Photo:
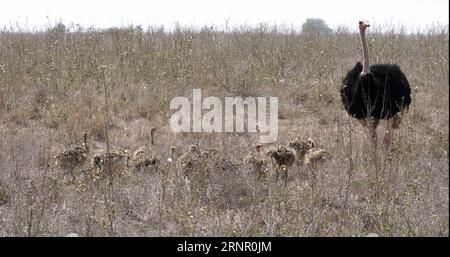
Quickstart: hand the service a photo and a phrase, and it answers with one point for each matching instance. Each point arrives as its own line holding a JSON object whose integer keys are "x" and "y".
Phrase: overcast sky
{"x": 413, "y": 15}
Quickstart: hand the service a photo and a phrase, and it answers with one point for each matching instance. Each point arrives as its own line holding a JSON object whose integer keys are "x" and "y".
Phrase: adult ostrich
{"x": 371, "y": 93}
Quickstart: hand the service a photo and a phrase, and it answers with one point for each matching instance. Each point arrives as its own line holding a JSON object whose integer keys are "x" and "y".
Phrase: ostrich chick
{"x": 315, "y": 156}
{"x": 209, "y": 154}
{"x": 195, "y": 170}
{"x": 73, "y": 157}
{"x": 284, "y": 158}
{"x": 301, "y": 146}
{"x": 312, "y": 158}
{"x": 111, "y": 163}
{"x": 190, "y": 161}
{"x": 258, "y": 161}
{"x": 142, "y": 161}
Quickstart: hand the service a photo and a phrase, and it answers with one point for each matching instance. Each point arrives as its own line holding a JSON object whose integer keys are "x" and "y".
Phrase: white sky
{"x": 413, "y": 15}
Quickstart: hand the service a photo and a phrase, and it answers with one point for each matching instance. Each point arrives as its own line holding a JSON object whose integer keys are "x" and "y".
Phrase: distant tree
{"x": 315, "y": 25}
{"x": 60, "y": 28}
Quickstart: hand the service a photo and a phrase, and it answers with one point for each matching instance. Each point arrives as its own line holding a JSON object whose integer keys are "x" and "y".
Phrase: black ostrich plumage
{"x": 381, "y": 93}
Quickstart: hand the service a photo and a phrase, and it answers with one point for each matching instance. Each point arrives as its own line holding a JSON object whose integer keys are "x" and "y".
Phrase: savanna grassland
{"x": 116, "y": 84}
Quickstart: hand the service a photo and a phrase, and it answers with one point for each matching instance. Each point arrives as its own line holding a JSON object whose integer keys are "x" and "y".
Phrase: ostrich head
{"x": 324, "y": 154}
{"x": 85, "y": 138}
{"x": 363, "y": 25}
{"x": 209, "y": 153}
{"x": 213, "y": 152}
{"x": 194, "y": 149}
{"x": 270, "y": 152}
{"x": 172, "y": 151}
{"x": 152, "y": 135}
{"x": 97, "y": 161}
{"x": 310, "y": 143}
{"x": 258, "y": 147}
{"x": 138, "y": 153}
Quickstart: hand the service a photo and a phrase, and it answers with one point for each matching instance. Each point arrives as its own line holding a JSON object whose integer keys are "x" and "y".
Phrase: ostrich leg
{"x": 374, "y": 140}
{"x": 72, "y": 174}
{"x": 387, "y": 147}
{"x": 388, "y": 138}
{"x": 314, "y": 179}
{"x": 285, "y": 179}
{"x": 372, "y": 126}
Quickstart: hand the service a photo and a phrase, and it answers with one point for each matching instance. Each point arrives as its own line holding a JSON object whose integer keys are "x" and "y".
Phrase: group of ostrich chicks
{"x": 117, "y": 162}
{"x": 104, "y": 162}
{"x": 300, "y": 151}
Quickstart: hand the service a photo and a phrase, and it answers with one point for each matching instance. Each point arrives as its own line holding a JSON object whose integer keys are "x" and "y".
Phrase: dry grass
{"x": 52, "y": 89}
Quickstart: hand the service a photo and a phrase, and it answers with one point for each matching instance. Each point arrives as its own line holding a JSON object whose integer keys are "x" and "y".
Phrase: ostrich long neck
{"x": 362, "y": 33}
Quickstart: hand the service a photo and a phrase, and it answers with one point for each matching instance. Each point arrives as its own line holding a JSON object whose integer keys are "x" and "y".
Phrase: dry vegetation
{"x": 52, "y": 89}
